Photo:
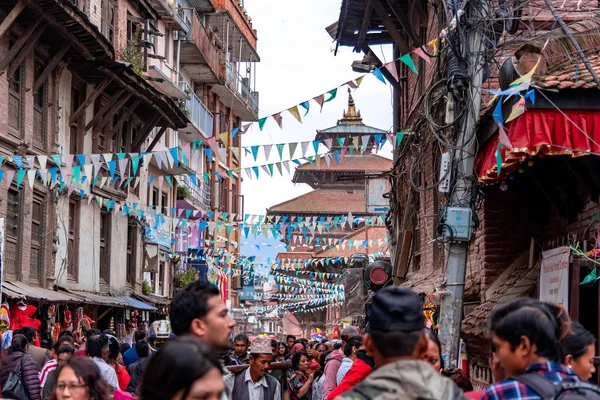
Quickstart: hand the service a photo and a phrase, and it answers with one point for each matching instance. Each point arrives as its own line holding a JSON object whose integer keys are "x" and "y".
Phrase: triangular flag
{"x": 328, "y": 143}
{"x": 378, "y": 75}
{"x": 254, "y": 151}
{"x": 406, "y": 59}
{"x": 270, "y": 166}
{"x": 43, "y": 160}
{"x": 359, "y": 80}
{"x": 280, "y": 147}
{"x": 294, "y": 111}
{"x": 498, "y": 161}
{"x": 10, "y": 174}
{"x": 286, "y": 164}
{"x": 332, "y": 93}
{"x": 292, "y": 148}
{"x": 245, "y": 127}
{"x": 20, "y": 175}
{"x": 517, "y": 110}
{"x": 277, "y": 117}
{"x": 304, "y": 146}
{"x": 306, "y": 106}
{"x": 320, "y": 99}
{"x": 43, "y": 176}
{"x": 224, "y": 136}
{"x": 31, "y": 177}
{"x": 391, "y": 67}
{"x": 327, "y": 161}
{"x": 255, "y": 169}
{"x": 336, "y": 154}
{"x": 341, "y": 141}
{"x": 19, "y": 161}
{"x": 267, "y": 148}
{"x": 365, "y": 142}
{"x": 30, "y": 162}
{"x": 433, "y": 43}
{"x": 135, "y": 163}
{"x": 316, "y": 144}
{"x": 503, "y": 137}
{"x": 261, "y": 123}
{"x": 421, "y": 53}
{"x": 399, "y": 137}
{"x": 278, "y": 165}
{"x": 81, "y": 159}
{"x": 355, "y": 142}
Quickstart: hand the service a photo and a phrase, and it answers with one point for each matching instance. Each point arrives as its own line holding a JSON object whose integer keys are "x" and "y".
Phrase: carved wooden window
{"x": 13, "y": 230}
{"x": 108, "y": 20}
{"x": 40, "y": 112}
{"x": 105, "y": 228}
{"x": 73, "y": 240}
{"x": 15, "y": 101}
{"x": 38, "y": 228}
{"x": 161, "y": 279}
{"x": 76, "y": 128}
{"x": 164, "y": 203}
{"x": 132, "y": 231}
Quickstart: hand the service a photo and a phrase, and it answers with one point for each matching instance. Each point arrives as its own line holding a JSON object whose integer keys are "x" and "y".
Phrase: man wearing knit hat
{"x": 396, "y": 339}
{"x": 334, "y": 361}
{"x": 255, "y": 383}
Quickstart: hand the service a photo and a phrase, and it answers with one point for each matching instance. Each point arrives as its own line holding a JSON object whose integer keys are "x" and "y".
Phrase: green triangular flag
{"x": 230, "y": 172}
{"x": 406, "y": 59}
{"x": 20, "y": 175}
{"x": 590, "y": 278}
{"x": 332, "y": 93}
{"x": 261, "y": 122}
{"x": 341, "y": 141}
{"x": 399, "y": 136}
{"x": 280, "y": 147}
{"x": 270, "y": 166}
{"x": 207, "y": 177}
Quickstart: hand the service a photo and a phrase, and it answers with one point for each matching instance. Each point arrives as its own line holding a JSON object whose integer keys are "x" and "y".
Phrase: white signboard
{"x": 376, "y": 188}
{"x": 554, "y": 276}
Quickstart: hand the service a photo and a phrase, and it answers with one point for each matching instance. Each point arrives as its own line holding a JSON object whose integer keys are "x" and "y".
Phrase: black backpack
{"x": 567, "y": 389}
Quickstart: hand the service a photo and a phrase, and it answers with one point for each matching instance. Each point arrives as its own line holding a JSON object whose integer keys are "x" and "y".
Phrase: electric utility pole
{"x": 464, "y": 178}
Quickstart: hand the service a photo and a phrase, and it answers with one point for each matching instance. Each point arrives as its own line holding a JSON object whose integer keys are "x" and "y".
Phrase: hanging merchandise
{"x": 21, "y": 314}
{"x": 68, "y": 321}
{"x": 4, "y": 318}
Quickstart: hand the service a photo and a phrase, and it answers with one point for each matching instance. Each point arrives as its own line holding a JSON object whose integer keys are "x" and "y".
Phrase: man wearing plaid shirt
{"x": 526, "y": 337}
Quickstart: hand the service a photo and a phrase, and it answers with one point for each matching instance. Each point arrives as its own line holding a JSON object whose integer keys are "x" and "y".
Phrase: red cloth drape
{"x": 540, "y": 132}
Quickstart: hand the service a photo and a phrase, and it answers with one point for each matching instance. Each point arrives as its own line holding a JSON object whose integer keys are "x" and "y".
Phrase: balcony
{"x": 201, "y": 119}
{"x": 199, "y": 194}
{"x": 170, "y": 13}
{"x": 200, "y": 51}
{"x": 238, "y": 92}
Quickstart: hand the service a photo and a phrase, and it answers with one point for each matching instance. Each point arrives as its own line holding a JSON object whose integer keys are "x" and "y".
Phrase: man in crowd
{"x": 41, "y": 356}
{"x": 290, "y": 340}
{"x": 51, "y": 365}
{"x": 62, "y": 355}
{"x": 131, "y": 355}
{"x": 334, "y": 361}
{"x": 255, "y": 383}
{"x": 350, "y": 348}
{"x": 239, "y": 356}
{"x": 98, "y": 349}
{"x": 136, "y": 370}
{"x": 397, "y": 340}
{"x": 199, "y": 310}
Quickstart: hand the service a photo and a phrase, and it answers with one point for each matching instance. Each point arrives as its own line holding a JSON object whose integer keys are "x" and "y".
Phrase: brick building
{"x": 85, "y": 83}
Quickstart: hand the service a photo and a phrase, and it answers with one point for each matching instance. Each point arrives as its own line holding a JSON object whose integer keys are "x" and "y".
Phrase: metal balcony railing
{"x": 197, "y": 111}
{"x": 200, "y": 193}
{"x": 241, "y": 86}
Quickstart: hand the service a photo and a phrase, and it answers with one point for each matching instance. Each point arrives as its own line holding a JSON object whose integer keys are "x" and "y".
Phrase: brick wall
{"x": 240, "y": 20}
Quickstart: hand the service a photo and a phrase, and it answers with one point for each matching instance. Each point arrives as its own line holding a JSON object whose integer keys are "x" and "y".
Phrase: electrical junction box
{"x": 445, "y": 172}
{"x": 458, "y": 223}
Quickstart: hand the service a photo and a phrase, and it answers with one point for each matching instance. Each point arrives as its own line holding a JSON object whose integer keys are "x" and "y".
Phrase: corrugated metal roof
{"x": 19, "y": 290}
{"x": 100, "y": 299}
{"x": 137, "y": 304}
{"x": 355, "y": 129}
{"x": 163, "y": 301}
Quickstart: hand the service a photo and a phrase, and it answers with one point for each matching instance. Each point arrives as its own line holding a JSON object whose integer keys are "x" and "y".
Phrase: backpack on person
{"x": 13, "y": 387}
{"x": 567, "y": 389}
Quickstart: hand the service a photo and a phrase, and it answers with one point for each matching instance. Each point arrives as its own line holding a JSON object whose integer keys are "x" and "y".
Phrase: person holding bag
{"x": 19, "y": 378}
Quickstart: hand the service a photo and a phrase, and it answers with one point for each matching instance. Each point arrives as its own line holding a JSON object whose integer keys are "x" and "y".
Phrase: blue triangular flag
{"x": 81, "y": 159}
{"x": 378, "y": 75}
{"x": 175, "y": 154}
{"x": 112, "y": 165}
{"x": 254, "y": 151}
{"x": 497, "y": 114}
{"x": 306, "y": 105}
{"x": 19, "y": 161}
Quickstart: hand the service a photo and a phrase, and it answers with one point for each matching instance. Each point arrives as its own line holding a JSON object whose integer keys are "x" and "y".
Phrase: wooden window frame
{"x": 73, "y": 225}
{"x": 108, "y": 7}
{"x": 132, "y": 240}
{"x": 18, "y": 132}
{"x": 17, "y": 239}
{"x": 42, "y": 143}
{"x": 164, "y": 198}
{"x": 37, "y": 267}
{"x": 105, "y": 244}
{"x": 76, "y": 128}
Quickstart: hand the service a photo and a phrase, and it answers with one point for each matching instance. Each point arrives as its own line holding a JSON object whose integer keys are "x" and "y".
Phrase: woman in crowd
{"x": 300, "y": 383}
{"x": 317, "y": 350}
{"x": 296, "y": 348}
{"x": 527, "y": 335}
{"x": 116, "y": 361}
{"x": 319, "y": 385}
{"x": 17, "y": 360}
{"x": 282, "y": 352}
{"x": 79, "y": 379}
{"x": 579, "y": 348}
{"x": 433, "y": 355}
{"x": 182, "y": 369}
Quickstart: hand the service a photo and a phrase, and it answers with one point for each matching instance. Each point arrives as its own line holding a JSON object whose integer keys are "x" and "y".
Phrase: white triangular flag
{"x": 87, "y": 171}
{"x": 31, "y": 177}
{"x": 286, "y": 164}
{"x": 123, "y": 166}
{"x": 107, "y": 157}
{"x": 328, "y": 159}
{"x": 304, "y": 148}
{"x": 43, "y": 160}
{"x": 44, "y": 176}
{"x": 267, "y": 148}
{"x": 30, "y": 161}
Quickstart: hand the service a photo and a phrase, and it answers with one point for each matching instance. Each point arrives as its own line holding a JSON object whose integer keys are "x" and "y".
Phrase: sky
{"x": 297, "y": 64}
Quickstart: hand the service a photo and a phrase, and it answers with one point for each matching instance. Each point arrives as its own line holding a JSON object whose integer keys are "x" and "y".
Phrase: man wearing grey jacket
{"x": 397, "y": 340}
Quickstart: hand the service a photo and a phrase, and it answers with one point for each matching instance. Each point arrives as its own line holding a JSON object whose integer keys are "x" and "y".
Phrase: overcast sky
{"x": 298, "y": 63}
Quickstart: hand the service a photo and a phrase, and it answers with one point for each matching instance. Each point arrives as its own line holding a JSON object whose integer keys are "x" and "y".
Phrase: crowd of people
{"x": 536, "y": 352}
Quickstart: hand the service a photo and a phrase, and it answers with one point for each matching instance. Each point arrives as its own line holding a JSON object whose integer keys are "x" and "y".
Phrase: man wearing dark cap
{"x": 397, "y": 340}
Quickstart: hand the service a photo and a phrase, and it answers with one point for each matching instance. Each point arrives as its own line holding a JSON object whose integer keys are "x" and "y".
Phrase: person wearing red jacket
{"x": 361, "y": 368}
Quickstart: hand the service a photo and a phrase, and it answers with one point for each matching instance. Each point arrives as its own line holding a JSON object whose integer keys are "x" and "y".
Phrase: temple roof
{"x": 356, "y": 162}
{"x": 323, "y": 201}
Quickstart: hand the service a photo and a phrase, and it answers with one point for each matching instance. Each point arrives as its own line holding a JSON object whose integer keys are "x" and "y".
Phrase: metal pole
{"x": 178, "y": 55}
{"x": 451, "y": 312}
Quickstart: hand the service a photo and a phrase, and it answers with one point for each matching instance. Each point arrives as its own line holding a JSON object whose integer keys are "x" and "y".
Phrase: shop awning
{"x": 19, "y": 290}
{"x": 541, "y": 132}
{"x": 133, "y": 303}
{"x": 157, "y": 300}
{"x": 99, "y": 299}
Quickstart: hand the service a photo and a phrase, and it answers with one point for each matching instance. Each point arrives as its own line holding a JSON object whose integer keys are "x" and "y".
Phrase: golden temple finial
{"x": 351, "y": 116}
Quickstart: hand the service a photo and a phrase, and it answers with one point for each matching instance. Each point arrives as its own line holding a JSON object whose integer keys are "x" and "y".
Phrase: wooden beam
{"x": 405, "y": 22}
{"x": 157, "y": 138}
{"x": 123, "y": 118}
{"x": 145, "y": 132}
{"x": 97, "y": 91}
{"x": 51, "y": 65}
{"x": 104, "y": 109}
{"x": 362, "y": 34}
{"x": 404, "y": 258}
{"x": 137, "y": 93}
{"x": 110, "y": 114}
{"x": 12, "y": 16}
{"x": 33, "y": 41}
{"x": 104, "y": 314}
{"x": 390, "y": 27}
{"x": 387, "y": 74}
{"x": 14, "y": 51}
